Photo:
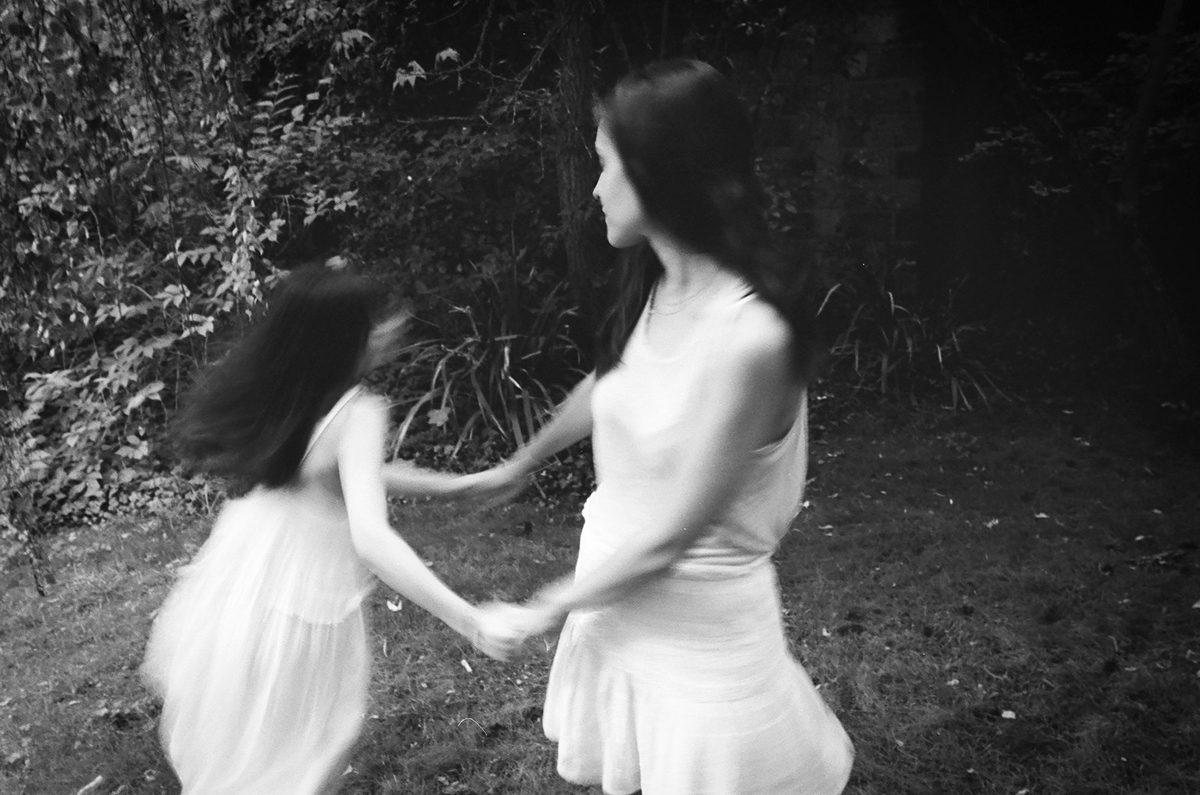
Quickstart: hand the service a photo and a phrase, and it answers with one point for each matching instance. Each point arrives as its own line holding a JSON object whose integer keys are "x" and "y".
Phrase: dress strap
{"x": 328, "y": 418}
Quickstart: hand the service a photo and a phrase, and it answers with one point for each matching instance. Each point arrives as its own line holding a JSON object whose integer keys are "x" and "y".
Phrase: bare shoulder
{"x": 368, "y": 404}
{"x": 752, "y": 335}
{"x": 748, "y": 371}
{"x": 356, "y": 427}
{"x": 365, "y": 413}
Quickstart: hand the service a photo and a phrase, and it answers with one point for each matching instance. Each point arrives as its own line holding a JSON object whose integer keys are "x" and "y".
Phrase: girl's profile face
{"x": 624, "y": 218}
{"x": 384, "y": 340}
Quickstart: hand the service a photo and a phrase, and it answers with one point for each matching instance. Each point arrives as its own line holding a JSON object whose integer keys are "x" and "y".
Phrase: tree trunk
{"x": 573, "y": 152}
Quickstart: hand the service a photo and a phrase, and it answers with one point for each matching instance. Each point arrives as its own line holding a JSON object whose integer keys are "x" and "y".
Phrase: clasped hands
{"x": 503, "y": 628}
{"x": 495, "y": 486}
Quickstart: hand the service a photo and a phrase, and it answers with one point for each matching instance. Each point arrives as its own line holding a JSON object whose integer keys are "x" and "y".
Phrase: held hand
{"x": 538, "y": 618}
{"x": 493, "y": 486}
{"x": 503, "y": 629}
{"x": 497, "y": 631}
{"x": 548, "y": 607}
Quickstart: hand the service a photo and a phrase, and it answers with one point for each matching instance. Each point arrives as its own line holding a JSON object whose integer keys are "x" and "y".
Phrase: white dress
{"x": 687, "y": 687}
{"x": 259, "y": 652}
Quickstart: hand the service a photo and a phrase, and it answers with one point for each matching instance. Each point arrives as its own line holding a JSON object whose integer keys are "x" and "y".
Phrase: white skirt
{"x": 687, "y": 688}
{"x": 261, "y": 695}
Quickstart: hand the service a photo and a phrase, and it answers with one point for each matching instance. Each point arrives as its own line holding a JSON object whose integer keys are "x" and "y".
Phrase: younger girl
{"x": 260, "y": 651}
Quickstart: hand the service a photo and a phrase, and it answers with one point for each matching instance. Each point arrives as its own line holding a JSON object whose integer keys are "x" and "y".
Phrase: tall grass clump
{"x": 501, "y": 357}
{"x": 889, "y": 343}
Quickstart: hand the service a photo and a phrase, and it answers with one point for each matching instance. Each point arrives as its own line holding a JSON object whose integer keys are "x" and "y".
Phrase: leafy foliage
{"x": 497, "y": 375}
{"x": 16, "y": 509}
{"x": 141, "y": 215}
{"x": 162, "y": 162}
{"x": 1096, "y": 107}
{"x": 497, "y": 333}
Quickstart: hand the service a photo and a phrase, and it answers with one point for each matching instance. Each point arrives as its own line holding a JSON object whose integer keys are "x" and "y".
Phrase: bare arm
{"x": 406, "y": 479}
{"x": 572, "y": 422}
{"x": 360, "y": 458}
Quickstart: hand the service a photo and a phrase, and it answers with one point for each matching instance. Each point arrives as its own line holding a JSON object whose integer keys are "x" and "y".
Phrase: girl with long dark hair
{"x": 259, "y": 652}
{"x": 672, "y": 674}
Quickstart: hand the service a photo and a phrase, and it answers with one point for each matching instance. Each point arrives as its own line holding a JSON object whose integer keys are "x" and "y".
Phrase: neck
{"x": 684, "y": 272}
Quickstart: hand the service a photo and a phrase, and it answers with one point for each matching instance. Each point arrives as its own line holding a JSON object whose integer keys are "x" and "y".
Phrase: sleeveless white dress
{"x": 259, "y": 652}
{"x": 687, "y": 687}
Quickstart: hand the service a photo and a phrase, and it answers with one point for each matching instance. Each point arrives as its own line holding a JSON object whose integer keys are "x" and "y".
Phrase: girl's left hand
{"x": 498, "y": 632}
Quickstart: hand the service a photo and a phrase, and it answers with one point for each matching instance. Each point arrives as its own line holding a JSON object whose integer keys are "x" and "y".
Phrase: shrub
{"x": 142, "y": 200}
{"x": 502, "y": 361}
{"x": 887, "y": 348}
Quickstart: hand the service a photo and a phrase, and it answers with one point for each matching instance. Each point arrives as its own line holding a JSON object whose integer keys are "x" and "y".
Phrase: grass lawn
{"x": 999, "y": 601}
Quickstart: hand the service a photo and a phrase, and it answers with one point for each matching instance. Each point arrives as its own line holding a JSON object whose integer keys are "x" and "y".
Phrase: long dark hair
{"x": 686, "y": 142}
{"x": 250, "y": 416}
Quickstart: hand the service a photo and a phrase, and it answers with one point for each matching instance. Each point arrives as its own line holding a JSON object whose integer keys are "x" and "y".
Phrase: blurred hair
{"x": 251, "y": 414}
{"x": 686, "y": 143}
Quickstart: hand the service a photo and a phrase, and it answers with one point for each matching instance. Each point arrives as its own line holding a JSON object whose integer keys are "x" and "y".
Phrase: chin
{"x": 622, "y": 239}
